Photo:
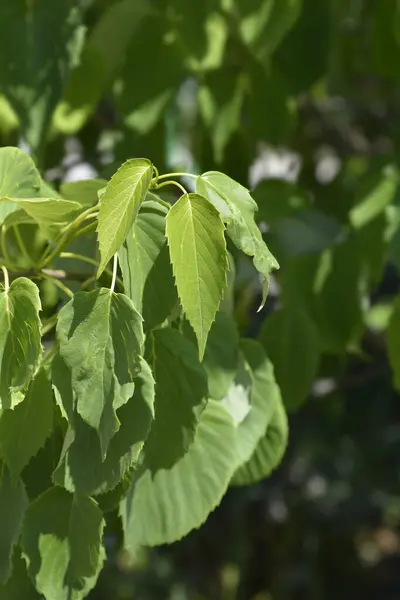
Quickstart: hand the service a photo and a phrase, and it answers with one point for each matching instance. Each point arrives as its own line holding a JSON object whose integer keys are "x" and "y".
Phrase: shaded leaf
{"x": 145, "y": 265}
{"x": 20, "y": 346}
{"x": 221, "y": 354}
{"x": 199, "y": 259}
{"x": 269, "y": 451}
{"x": 393, "y": 342}
{"x": 120, "y": 205}
{"x": 82, "y": 468}
{"x": 13, "y": 502}
{"x": 19, "y": 440}
{"x": 39, "y": 42}
{"x": 62, "y": 543}
{"x": 181, "y": 391}
{"x": 291, "y": 341}
{"x": 100, "y": 338}
{"x": 163, "y": 507}
{"x": 86, "y": 192}
{"x": 19, "y": 585}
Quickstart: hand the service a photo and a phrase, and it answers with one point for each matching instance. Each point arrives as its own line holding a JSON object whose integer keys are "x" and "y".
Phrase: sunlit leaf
{"x": 120, "y": 205}
{"x": 199, "y": 259}
{"x": 19, "y": 178}
{"x": 20, "y": 346}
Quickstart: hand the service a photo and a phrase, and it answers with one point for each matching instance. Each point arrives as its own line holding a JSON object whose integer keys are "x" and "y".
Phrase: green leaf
{"x": 393, "y": 342}
{"x": 307, "y": 232}
{"x": 13, "y": 503}
{"x": 221, "y": 354}
{"x": 20, "y": 347}
{"x": 278, "y": 199}
{"x": 199, "y": 259}
{"x": 269, "y": 451}
{"x": 237, "y": 208}
{"x": 81, "y": 467}
{"x": 100, "y": 338}
{"x": 86, "y": 192}
{"x": 19, "y": 441}
{"x": 264, "y": 25}
{"x": 181, "y": 391}
{"x": 221, "y": 98}
{"x": 33, "y": 73}
{"x": 164, "y": 506}
{"x": 19, "y": 178}
{"x": 120, "y": 205}
{"x": 376, "y": 195}
{"x": 146, "y": 267}
{"x": 291, "y": 341}
{"x": 99, "y": 63}
{"x": 19, "y": 586}
{"x": 47, "y": 211}
{"x": 144, "y": 98}
{"x": 264, "y": 396}
{"x": 62, "y": 543}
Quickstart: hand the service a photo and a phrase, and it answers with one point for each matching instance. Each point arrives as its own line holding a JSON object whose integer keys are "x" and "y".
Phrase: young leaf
{"x": 19, "y": 178}
{"x": 164, "y": 506}
{"x": 146, "y": 267}
{"x": 62, "y": 543}
{"x": 291, "y": 341}
{"x": 269, "y": 450}
{"x": 199, "y": 259}
{"x": 221, "y": 354}
{"x": 181, "y": 391}
{"x": 237, "y": 209}
{"x": 20, "y": 347}
{"x": 19, "y": 440}
{"x": 120, "y": 205}
{"x": 81, "y": 468}
{"x": 100, "y": 339}
{"x": 13, "y": 502}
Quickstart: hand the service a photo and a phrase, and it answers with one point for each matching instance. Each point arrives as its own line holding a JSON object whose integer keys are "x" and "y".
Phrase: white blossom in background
{"x": 274, "y": 163}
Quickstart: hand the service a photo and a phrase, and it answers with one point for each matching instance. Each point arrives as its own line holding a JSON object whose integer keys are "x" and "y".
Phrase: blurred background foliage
{"x": 299, "y": 101}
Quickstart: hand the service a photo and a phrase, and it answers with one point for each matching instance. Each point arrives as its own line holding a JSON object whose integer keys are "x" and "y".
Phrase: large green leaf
{"x": 146, "y": 267}
{"x": 199, "y": 259}
{"x": 81, "y": 468}
{"x": 237, "y": 209}
{"x": 221, "y": 354}
{"x": 19, "y": 441}
{"x": 62, "y": 543}
{"x": 100, "y": 338}
{"x": 181, "y": 390}
{"x": 20, "y": 347}
{"x": 39, "y": 42}
{"x": 163, "y": 507}
{"x": 120, "y": 205}
{"x": 263, "y": 398}
{"x": 269, "y": 451}
{"x": 13, "y": 502}
{"x": 19, "y": 178}
{"x": 291, "y": 341}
